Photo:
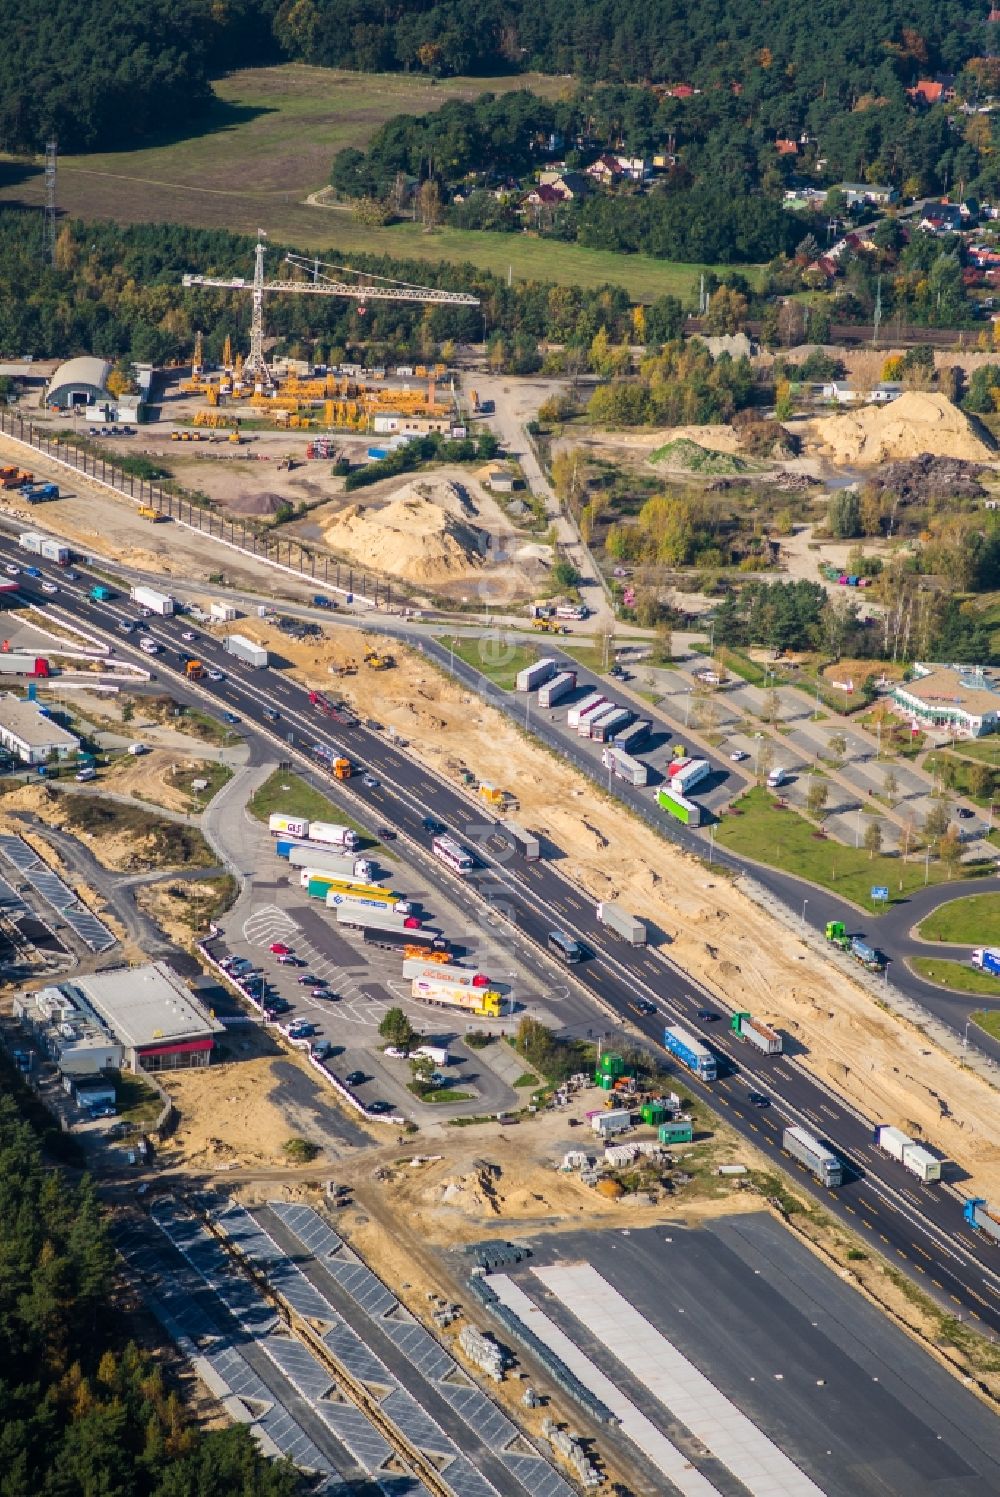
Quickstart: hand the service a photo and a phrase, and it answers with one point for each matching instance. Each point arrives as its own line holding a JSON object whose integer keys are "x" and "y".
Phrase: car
{"x": 320, "y": 1050}
{"x": 355, "y": 1078}
{"x": 49, "y": 587}
{"x": 738, "y": 756}
{"x": 12, "y": 570}
{"x": 32, "y": 572}
{"x": 278, "y": 948}
{"x": 758, "y": 1099}
{"x": 300, "y": 1029}
{"x": 230, "y": 717}
{"x": 216, "y": 675}
{"x": 323, "y": 992}
{"x": 72, "y": 576}
{"x": 369, "y": 781}
{"x": 272, "y": 714}
{"x": 145, "y": 613}
{"x": 126, "y": 626}
{"x": 708, "y": 1014}
{"x": 305, "y": 980}
{"x": 964, "y": 813}
{"x": 189, "y": 635}
{"x": 643, "y": 1006}
{"x": 385, "y": 834}
{"x": 379, "y": 1107}
{"x": 429, "y": 824}
{"x": 287, "y": 961}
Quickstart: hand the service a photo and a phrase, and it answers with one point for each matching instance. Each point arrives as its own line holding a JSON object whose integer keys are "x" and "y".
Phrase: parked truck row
{"x": 328, "y": 833}
{"x": 44, "y": 546}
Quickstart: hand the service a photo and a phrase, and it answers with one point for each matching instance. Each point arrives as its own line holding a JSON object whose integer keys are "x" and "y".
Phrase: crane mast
{"x": 371, "y": 288}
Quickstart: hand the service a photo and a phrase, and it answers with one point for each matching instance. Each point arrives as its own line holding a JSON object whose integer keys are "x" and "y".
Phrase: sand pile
{"x": 917, "y": 422}
{"x": 412, "y": 537}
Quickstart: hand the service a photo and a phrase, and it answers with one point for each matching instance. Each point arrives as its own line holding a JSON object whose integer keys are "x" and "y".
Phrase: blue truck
{"x": 690, "y": 1051}
{"x": 987, "y": 958}
{"x": 978, "y": 1215}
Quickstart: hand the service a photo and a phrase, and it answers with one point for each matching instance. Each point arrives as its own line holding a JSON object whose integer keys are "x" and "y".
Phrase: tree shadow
{"x": 218, "y": 116}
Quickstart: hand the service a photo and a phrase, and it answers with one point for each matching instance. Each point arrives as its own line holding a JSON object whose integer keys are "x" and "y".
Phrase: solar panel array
{"x": 92, "y": 932}
{"x": 441, "y": 1371}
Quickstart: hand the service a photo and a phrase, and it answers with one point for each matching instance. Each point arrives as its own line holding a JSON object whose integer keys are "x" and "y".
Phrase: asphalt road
{"x": 919, "y": 1226}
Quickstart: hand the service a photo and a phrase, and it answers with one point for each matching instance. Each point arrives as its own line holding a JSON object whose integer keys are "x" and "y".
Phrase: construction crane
{"x": 369, "y": 288}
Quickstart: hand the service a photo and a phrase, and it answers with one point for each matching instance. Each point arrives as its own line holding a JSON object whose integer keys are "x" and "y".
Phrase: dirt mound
{"x": 412, "y": 537}
{"x": 925, "y": 477}
{"x": 261, "y": 505}
{"x": 918, "y": 422}
{"x": 684, "y": 456}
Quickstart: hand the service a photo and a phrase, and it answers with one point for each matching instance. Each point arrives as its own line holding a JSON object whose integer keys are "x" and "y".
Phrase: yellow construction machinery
{"x": 379, "y": 662}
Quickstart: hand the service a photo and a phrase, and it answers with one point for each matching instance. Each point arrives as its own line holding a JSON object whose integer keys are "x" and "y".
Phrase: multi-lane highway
{"x": 919, "y": 1227}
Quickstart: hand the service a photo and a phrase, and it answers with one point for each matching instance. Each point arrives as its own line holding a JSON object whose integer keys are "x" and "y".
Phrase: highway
{"x": 918, "y": 1227}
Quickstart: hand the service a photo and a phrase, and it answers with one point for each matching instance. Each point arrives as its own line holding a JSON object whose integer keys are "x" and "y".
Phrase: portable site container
{"x": 679, "y": 1132}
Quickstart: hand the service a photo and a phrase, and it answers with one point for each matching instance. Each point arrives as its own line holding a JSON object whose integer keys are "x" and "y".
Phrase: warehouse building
{"x": 27, "y": 731}
{"x": 68, "y": 1031}
{"x": 158, "y": 1021}
{"x": 959, "y": 700}
{"x": 80, "y": 383}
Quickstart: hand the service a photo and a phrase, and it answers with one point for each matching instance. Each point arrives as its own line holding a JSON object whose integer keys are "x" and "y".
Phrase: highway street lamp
{"x": 965, "y": 1036}
{"x": 804, "y": 903}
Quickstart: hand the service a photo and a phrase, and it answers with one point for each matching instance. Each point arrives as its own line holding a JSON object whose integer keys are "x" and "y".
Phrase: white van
{"x": 149, "y": 646}
{"x": 86, "y": 774}
{"x": 137, "y": 748}
{"x": 776, "y": 778}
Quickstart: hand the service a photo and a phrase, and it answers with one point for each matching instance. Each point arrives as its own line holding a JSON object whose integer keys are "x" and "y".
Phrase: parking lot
{"x": 331, "y": 990}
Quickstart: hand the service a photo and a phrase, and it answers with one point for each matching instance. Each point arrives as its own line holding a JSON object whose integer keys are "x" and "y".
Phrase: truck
{"x": 482, "y": 1001}
{"x": 987, "y": 958}
{"x": 686, "y": 811}
{"x": 836, "y": 933}
{"x": 329, "y": 709}
{"x": 756, "y": 1033}
{"x": 685, "y": 773}
{"x": 776, "y": 779}
{"x": 978, "y": 1215}
{"x": 155, "y": 516}
{"x": 343, "y": 864}
{"x": 631, "y": 738}
{"x": 55, "y": 551}
{"x": 459, "y": 977}
{"x": 194, "y": 670}
{"x": 555, "y": 690}
{"x": 608, "y": 724}
{"x": 623, "y": 766}
{"x": 38, "y": 493}
{"x": 912, "y": 1156}
{"x": 309, "y": 875}
{"x": 617, "y": 919}
{"x": 817, "y": 1158}
{"x": 332, "y": 835}
{"x": 367, "y": 898}
{"x": 101, "y": 594}
{"x": 536, "y": 674}
{"x": 222, "y": 613}
{"x": 156, "y": 602}
{"x": 525, "y": 842}
{"x": 369, "y": 917}
{"x": 410, "y": 941}
{"x": 19, "y": 664}
{"x": 30, "y": 540}
{"x": 280, "y": 825}
{"x": 437, "y": 1053}
{"x": 576, "y": 714}
{"x": 690, "y": 1051}
{"x": 246, "y": 650}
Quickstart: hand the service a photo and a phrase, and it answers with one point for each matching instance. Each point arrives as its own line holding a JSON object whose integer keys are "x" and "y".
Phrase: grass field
{"x": 498, "y": 660}
{"x": 292, "y": 796}
{"x": 269, "y": 142}
{"x": 783, "y": 839}
{"x": 988, "y": 1021}
{"x": 958, "y": 976}
{"x": 972, "y": 921}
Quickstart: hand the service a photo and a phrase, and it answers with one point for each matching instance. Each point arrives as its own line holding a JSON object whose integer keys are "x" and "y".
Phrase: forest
{"x": 103, "y": 76}
{"x": 116, "y": 292}
{"x": 83, "y": 1411}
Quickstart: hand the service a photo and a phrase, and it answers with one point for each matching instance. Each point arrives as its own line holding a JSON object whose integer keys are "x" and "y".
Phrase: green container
{"x": 318, "y": 888}
{"x": 607, "y": 1082}
{"x": 610, "y": 1064}
{"x": 676, "y": 1133}
{"x": 654, "y": 1113}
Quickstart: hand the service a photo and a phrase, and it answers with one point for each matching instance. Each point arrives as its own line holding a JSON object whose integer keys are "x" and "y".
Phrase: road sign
{"x": 880, "y": 891}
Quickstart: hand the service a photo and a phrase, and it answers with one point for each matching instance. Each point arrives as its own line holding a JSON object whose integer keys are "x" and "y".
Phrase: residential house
{"x": 604, "y": 170}
{"x": 571, "y": 185}
{"x": 544, "y": 195}
{"x": 786, "y": 147}
{"x": 869, "y": 194}
{"x": 926, "y": 91}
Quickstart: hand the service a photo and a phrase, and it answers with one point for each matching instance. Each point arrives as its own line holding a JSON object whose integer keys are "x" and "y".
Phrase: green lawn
{"x": 985, "y": 750}
{"x": 972, "y": 921}
{"x": 495, "y": 656}
{"x": 990, "y": 1022}
{"x": 784, "y": 839}
{"x": 956, "y": 975}
{"x": 268, "y": 144}
{"x": 289, "y": 794}
{"x": 136, "y": 1102}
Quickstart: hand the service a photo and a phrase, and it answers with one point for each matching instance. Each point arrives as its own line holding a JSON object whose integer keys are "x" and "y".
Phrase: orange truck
{"x": 342, "y": 769}
{"x": 194, "y": 670}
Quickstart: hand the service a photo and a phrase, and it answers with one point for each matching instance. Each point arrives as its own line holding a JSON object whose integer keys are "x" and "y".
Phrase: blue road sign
{"x": 880, "y": 891}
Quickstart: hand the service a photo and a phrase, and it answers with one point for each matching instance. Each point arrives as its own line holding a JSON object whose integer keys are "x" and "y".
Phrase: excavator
{"x": 379, "y": 662}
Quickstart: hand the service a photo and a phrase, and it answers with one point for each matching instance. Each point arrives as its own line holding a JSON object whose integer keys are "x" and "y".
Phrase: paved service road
{"x": 921, "y": 1225}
